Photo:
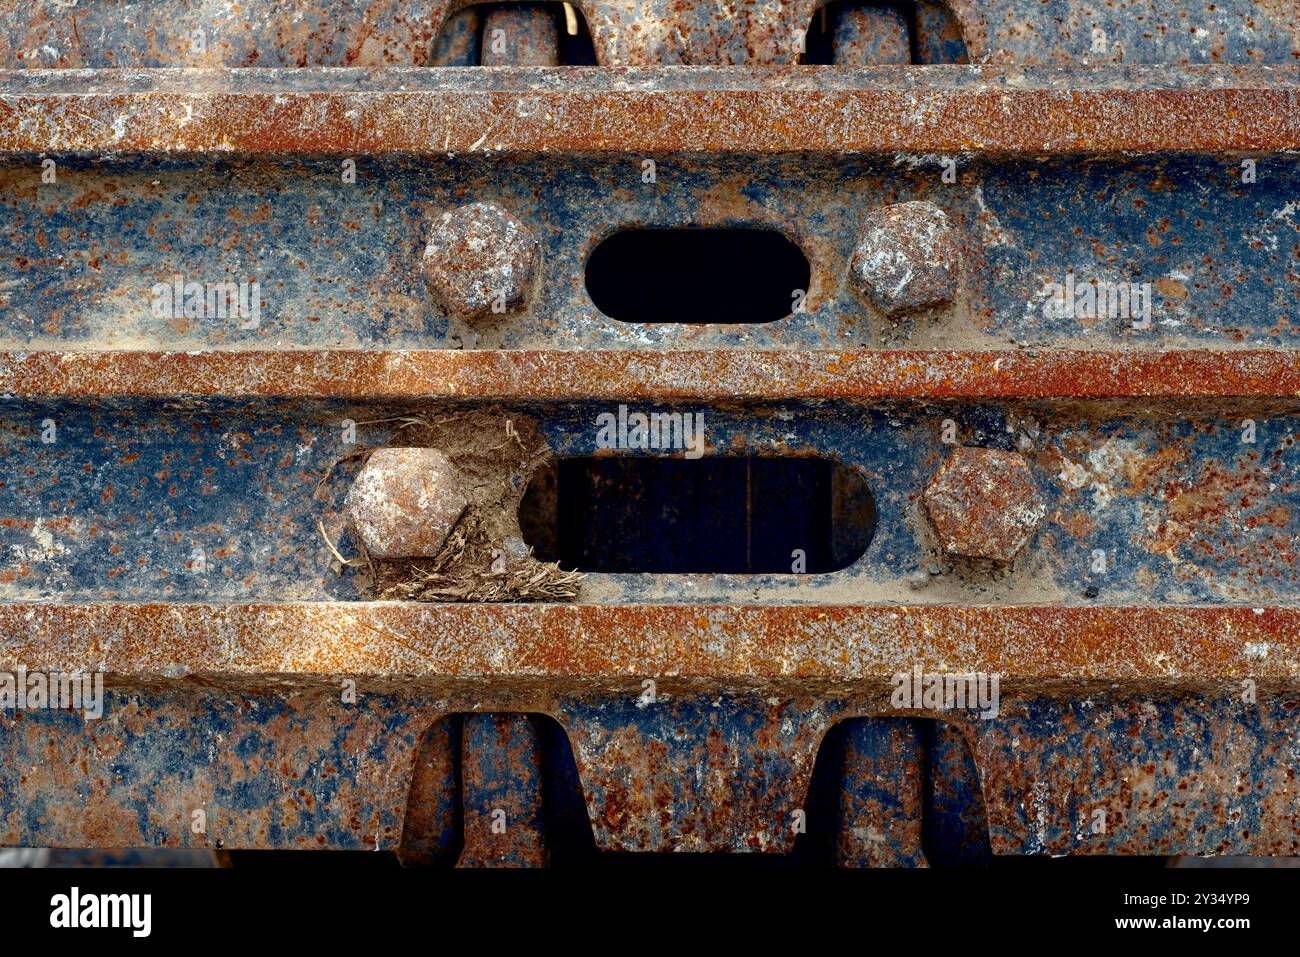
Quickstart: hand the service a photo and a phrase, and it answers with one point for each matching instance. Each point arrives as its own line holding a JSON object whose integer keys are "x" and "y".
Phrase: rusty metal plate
{"x": 1042, "y": 266}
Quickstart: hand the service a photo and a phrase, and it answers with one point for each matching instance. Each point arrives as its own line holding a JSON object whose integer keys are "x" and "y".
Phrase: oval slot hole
{"x": 696, "y": 275}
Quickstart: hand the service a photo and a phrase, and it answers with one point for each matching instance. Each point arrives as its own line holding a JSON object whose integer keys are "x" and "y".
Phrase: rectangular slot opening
{"x": 631, "y": 514}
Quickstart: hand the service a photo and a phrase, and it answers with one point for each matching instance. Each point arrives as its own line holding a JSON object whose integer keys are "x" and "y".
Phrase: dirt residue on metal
{"x": 484, "y": 558}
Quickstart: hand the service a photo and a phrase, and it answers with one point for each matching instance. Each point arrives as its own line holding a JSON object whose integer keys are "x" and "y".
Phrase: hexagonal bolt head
{"x": 480, "y": 260}
{"x": 404, "y": 502}
{"x": 907, "y": 259}
{"x": 984, "y": 503}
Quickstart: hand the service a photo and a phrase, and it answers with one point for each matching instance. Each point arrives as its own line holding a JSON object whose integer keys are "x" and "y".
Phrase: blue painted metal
{"x": 501, "y": 792}
{"x": 881, "y": 818}
{"x": 203, "y": 767}
{"x": 79, "y": 258}
{"x": 171, "y": 501}
{"x": 1184, "y": 510}
{"x": 360, "y": 33}
{"x": 1170, "y": 773}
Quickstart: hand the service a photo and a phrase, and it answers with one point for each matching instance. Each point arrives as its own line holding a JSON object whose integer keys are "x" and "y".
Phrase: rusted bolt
{"x": 984, "y": 503}
{"x": 404, "y": 502}
{"x": 480, "y": 260}
{"x": 907, "y": 259}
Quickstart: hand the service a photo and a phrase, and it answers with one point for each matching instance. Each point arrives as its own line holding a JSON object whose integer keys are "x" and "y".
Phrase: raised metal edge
{"x": 1178, "y": 646}
{"x": 1001, "y": 110}
{"x": 676, "y": 374}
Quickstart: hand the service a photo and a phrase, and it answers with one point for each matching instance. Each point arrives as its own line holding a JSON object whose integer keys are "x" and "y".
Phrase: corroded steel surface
{"x": 1148, "y": 642}
{"x": 1166, "y": 646}
{"x": 431, "y": 826}
{"x": 109, "y": 34}
{"x": 863, "y": 35}
{"x": 954, "y": 820}
{"x": 520, "y": 36}
{"x": 670, "y": 774}
{"x": 155, "y": 500}
{"x": 267, "y": 770}
{"x": 501, "y": 787}
{"x": 881, "y": 799}
{"x": 1205, "y": 260}
{"x": 913, "y": 110}
{"x": 358, "y": 33}
{"x": 1165, "y": 772}
{"x": 618, "y": 375}
{"x": 284, "y": 768}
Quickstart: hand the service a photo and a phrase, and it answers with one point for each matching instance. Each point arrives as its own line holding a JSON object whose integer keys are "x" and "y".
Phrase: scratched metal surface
{"x": 882, "y": 783}
{"x": 1171, "y": 774}
{"x": 403, "y": 111}
{"x": 1185, "y": 511}
{"x": 1123, "y": 699}
{"x": 501, "y": 792}
{"x": 339, "y": 265}
{"x": 319, "y": 775}
{"x": 114, "y": 33}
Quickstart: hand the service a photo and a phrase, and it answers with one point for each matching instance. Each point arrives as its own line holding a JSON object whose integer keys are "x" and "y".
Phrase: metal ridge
{"x": 1174, "y": 645}
{"x": 999, "y": 110}
{"x": 670, "y": 375}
